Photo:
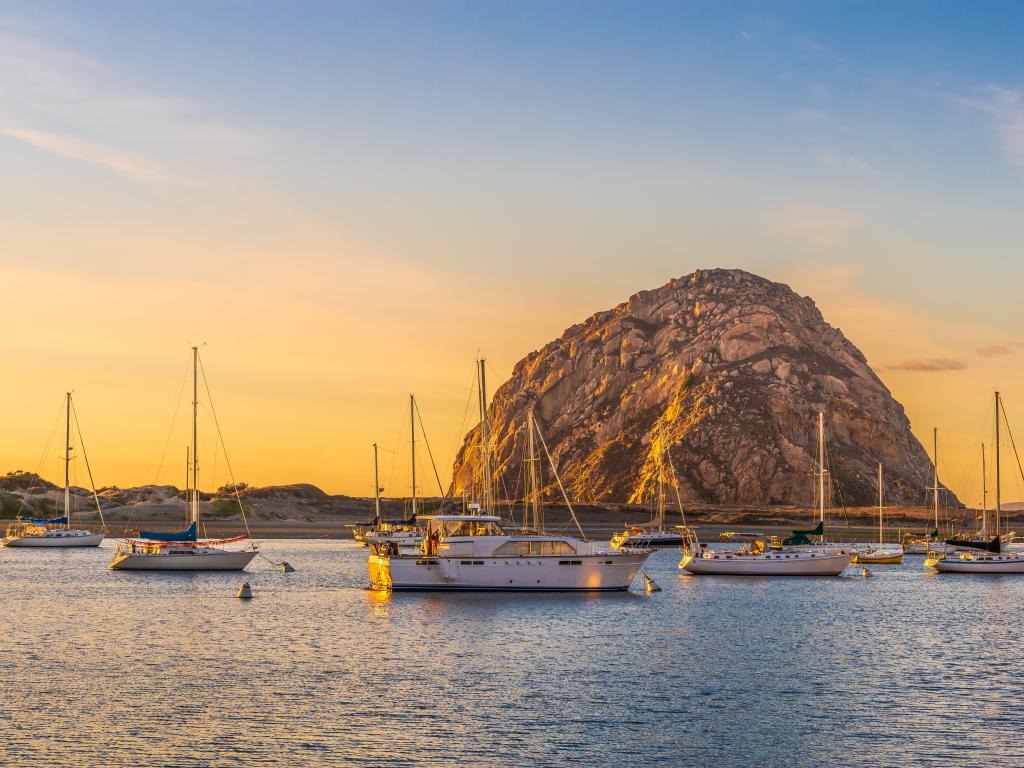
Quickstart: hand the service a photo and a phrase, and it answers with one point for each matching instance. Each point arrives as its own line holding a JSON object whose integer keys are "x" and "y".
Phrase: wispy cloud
{"x": 995, "y": 350}
{"x": 818, "y": 48}
{"x": 85, "y": 151}
{"x": 813, "y": 225}
{"x": 74, "y": 106}
{"x": 929, "y": 365}
{"x": 810, "y": 115}
{"x": 1005, "y": 108}
{"x": 846, "y": 163}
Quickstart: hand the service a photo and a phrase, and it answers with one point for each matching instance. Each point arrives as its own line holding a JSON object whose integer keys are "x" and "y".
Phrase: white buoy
{"x": 650, "y": 585}
{"x": 245, "y": 593}
{"x": 864, "y": 571}
{"x": 286, "y": 567}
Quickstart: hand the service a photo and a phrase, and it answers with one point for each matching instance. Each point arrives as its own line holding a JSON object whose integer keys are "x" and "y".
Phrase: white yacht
{"x": 979, "y": 556}
{"x": 57, "y": 531}
{"x": 749, "y": 554}
{"x": 473, "y": 552}
{"x": 184, "y": 550}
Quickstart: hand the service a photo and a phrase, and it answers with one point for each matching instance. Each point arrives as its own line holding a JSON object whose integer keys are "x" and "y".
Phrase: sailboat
{"x": 403, "y": 532}
{"x": 920, "y": 544}
{"x": 979, "y": 555}
{"x": 755, "y": 554}
{"x": 57, "y": 531}
{"x": 816, "y": 537}
{"x": 184, "y": 550}
{"x": 474, "y": 552}
{"x": 653, "y": 534}
{"x": 882, "y": 555}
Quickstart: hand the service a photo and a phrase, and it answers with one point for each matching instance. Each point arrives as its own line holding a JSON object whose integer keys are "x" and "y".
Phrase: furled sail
{"x": 46, "y": 521}
{"x": 987, "y": 546}
{"x": 189, "y": 534}
{"x": 800, "y": 538}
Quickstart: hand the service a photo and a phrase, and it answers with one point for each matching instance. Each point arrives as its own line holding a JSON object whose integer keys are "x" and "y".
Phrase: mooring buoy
{"x": 650, "y": 585}
{"x": 864, "y": 571}
{"x": 286, "y": 567}
{"x": 245, "y": 593}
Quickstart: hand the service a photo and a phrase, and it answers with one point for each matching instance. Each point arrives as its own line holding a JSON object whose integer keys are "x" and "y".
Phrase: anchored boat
{"x": 474, "y": 552}
{"x": 749, "y": 554}
{"x": 57, "y": 531}
{"x": 405, "y": 533}
{"x": 922, "y": 543}
{"x": 653, "y": 533}
{"x": 184, "y": 550}
{"x": 977, "y": 555}
{"x": 882, "y": 554}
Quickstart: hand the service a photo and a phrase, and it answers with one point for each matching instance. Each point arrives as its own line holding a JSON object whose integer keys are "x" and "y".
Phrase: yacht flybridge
{"x": 474, "y": 552}
{"x": 184, "y": 550}
{"x": 57, "y": 531}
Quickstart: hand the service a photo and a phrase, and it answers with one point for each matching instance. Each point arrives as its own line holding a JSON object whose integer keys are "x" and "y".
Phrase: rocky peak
{"x": 726, "y": 368}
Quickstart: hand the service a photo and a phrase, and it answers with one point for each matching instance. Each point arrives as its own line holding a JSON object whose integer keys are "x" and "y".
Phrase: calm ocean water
{"x": 104, "y": 668}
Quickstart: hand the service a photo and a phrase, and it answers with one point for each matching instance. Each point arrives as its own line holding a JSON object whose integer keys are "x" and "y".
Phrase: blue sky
{"x": 442, "y": 166}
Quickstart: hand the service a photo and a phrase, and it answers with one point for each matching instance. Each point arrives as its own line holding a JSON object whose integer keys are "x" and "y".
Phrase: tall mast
{"x": 195, "y": 437}
{"x": 984, "y": 494}
{"x": 67, "y": 465}
{"x": 935, "y": 468}
{"x": 821, "y": 467}
{"x": 661, "y": 482}
{"x": 879, "y": 505}
{"x": 534, "y": 500}
{"x": 997, "y": 511}
{"x": 485, "y": 437}
{"x": 376, "y": 487}
{"x": 412, "y": 427}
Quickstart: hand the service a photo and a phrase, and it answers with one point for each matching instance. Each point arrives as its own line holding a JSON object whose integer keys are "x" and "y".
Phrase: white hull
{"x": 982, "y": 564}
{"x": 55, "y": 539}
{"x": 195, "y": 560}
{"x": 774, "y": 564}
{"x": 605, "y": 572}
{"x": 880, "y": 557}
{"x": 915, "y": 549}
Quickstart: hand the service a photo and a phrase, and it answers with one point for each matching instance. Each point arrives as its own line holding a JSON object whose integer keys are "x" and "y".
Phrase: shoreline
{"x": 598, "y": 521}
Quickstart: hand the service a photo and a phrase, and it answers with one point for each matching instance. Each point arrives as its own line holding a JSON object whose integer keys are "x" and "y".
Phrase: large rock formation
{"x": 730, "y": 370}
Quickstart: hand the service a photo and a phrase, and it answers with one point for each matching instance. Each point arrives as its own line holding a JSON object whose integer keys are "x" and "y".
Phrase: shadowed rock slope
{"x": 731, "y": 371}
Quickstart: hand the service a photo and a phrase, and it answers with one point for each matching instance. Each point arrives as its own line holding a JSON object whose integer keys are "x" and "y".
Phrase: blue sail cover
{"x": 45, "y": 521}
{"x": 189, "y": 534}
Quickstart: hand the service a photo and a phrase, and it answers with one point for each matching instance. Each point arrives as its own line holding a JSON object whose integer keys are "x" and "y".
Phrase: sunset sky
{"x": 347, "y": 201}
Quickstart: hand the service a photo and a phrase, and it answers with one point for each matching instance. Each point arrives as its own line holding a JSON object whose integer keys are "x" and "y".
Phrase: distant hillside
{"x": 154, "y": 504}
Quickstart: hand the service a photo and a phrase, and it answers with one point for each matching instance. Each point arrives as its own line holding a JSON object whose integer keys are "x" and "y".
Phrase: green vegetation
{"x": 9, "y": 505}
{"x": 224, "y": 508}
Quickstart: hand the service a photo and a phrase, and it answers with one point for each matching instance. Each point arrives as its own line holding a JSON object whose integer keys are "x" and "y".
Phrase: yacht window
{"x": 533, "y": 547}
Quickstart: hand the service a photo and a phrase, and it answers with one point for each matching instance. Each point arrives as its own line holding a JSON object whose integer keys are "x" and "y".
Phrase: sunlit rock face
{"x": 730, "y": 371}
